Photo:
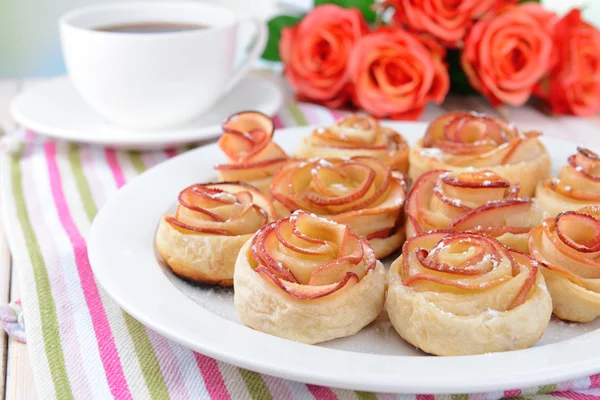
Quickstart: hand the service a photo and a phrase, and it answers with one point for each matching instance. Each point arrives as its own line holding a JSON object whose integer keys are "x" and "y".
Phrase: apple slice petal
{"x": 309, "y": 257}
{"x": 189, "y": 229}
{"x": 227, "y": 208}
{"x": 301, "y": 292}
{"x": 468, "y": 264}
{"x": 492, "y": 214}
{"x": 246, "y": 134}
{"x": 579, "y": 231}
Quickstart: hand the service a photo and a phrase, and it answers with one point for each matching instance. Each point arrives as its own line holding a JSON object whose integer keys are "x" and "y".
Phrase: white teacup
{"x": 152, "y": 81}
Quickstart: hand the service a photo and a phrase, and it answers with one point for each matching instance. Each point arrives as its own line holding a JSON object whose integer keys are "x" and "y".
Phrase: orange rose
{"x": 573, "y": 86}
{"x": 395, "y": 73}
{"x": 316, "y": 51}
{"x": 506, "y": 55}
{"x": 447, "y": 20}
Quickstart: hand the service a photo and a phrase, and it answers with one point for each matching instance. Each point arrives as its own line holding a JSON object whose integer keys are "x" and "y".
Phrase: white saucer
{"x": 56, "y": 110}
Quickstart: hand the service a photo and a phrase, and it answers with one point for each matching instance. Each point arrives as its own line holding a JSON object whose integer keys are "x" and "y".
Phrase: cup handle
{"x": 257, "y": 49}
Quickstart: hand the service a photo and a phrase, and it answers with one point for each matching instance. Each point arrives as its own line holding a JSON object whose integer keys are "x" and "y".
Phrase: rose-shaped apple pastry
{"x": 459, "y": 293}
{"x": 252, "y": 157}
{"x": 361, "y": 192}
{"x": 462, "y": 140}
{"x": 308, "y": 279}
{"x": 357, "y": 135}
{"x": 212, "y": 222}
{"x": 480, "y": 201}
{"x": 577, "y": 185}
{"x": 568, "y": 249}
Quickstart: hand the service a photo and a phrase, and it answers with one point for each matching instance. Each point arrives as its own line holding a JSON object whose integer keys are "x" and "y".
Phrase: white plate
{"x": 122, "y": 256}
{"x": 55, "y": 109}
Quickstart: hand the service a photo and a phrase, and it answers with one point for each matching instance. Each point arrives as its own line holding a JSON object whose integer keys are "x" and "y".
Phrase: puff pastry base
{"x": 421, "y": 323}
{"x": 554, "y": 203}
{"x": 572, "y": 302}
{"x": 202, "y": 258}
{"x": 263, "y": 306}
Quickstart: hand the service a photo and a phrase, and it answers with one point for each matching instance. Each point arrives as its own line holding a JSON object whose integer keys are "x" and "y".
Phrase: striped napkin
{"x": 81, "y": 344}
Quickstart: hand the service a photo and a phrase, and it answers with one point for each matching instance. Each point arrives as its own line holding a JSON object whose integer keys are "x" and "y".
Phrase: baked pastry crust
{"x": 308, "y": 298}
{"x": 480, "y": 201}
{"x": 357, "y": 135}
{"x": 361, "y": 192}
{"x": 213, "y": 221}
{"x": 252, "y": 157}
{"x": 462, "y": 141}
{"x": 476, "y": 296}
{"x": 567, "y": 248}
{"x": 576, "y": 186}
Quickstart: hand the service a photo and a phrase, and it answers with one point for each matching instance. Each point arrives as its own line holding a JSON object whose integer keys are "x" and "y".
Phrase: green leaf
{"x": 530, "y": 1}
{"x": 364, "y": 5}
{"x": 275, "y": 26}
{"x": 459, "y": 83}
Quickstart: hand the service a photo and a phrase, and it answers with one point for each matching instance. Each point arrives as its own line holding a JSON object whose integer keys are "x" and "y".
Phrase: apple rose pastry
{"x": 577, "y": 185}
{"x": 357, "y": 135}
{"x": 361, "y": 192}
{"x": 568, "y": 248}
{"x": 459, "y": 293}
{"x": 462, "y": 140}
{"x": 212, "y": 222}
{"x": 252, "y": 157}
{"x": 308, "y": 279}
{"x": 479, "y": 201}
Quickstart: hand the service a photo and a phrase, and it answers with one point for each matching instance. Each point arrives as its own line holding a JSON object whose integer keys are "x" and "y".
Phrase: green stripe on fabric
{"x": 297, "y": 114}
{"x": 547, "y": 389}
{"x": 49, "y": 322}
{"x": 365, "y": 396}
{"x": 136, "y": 160}
{"x": 143, "y": 347}
{"x": 147, "y": 359}
{"x": 460, "y": 397}
{"x": 255, "y": 384}
{"x": 189, "y": 147}
{"x": 81, "y": 182}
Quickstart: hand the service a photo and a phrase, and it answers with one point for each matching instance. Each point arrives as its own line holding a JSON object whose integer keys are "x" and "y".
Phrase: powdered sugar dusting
{"x": 324, "y": 163}
{"x": 431, "y": 152}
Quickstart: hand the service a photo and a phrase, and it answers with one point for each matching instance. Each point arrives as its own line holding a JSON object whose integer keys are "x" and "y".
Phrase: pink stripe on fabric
{"x": 575, "y": 396}
{"x": 595, "y": 381}
{"x": 106, "y": 342}
{"x": 336, "y": 115}
{"x": 213, "y": 380}
{"x": 58, "y": 281}
{"x": 277, "y": 122}
{"x": 425, "y": 397}
{"x": 168, "y": 366}
{"x": 113, "y": 163}
{"x": 321, "y": 392}
{"x": 171, "y": 153}
{"x": 278, "y": 388}
{"x": 512, "y": 393}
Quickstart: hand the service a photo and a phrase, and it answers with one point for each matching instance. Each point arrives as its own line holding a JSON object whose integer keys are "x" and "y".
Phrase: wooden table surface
{"x": 17, "y": 382}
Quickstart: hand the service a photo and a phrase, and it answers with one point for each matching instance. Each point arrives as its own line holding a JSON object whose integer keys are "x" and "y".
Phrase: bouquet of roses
{"x": 391, "y": 57}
